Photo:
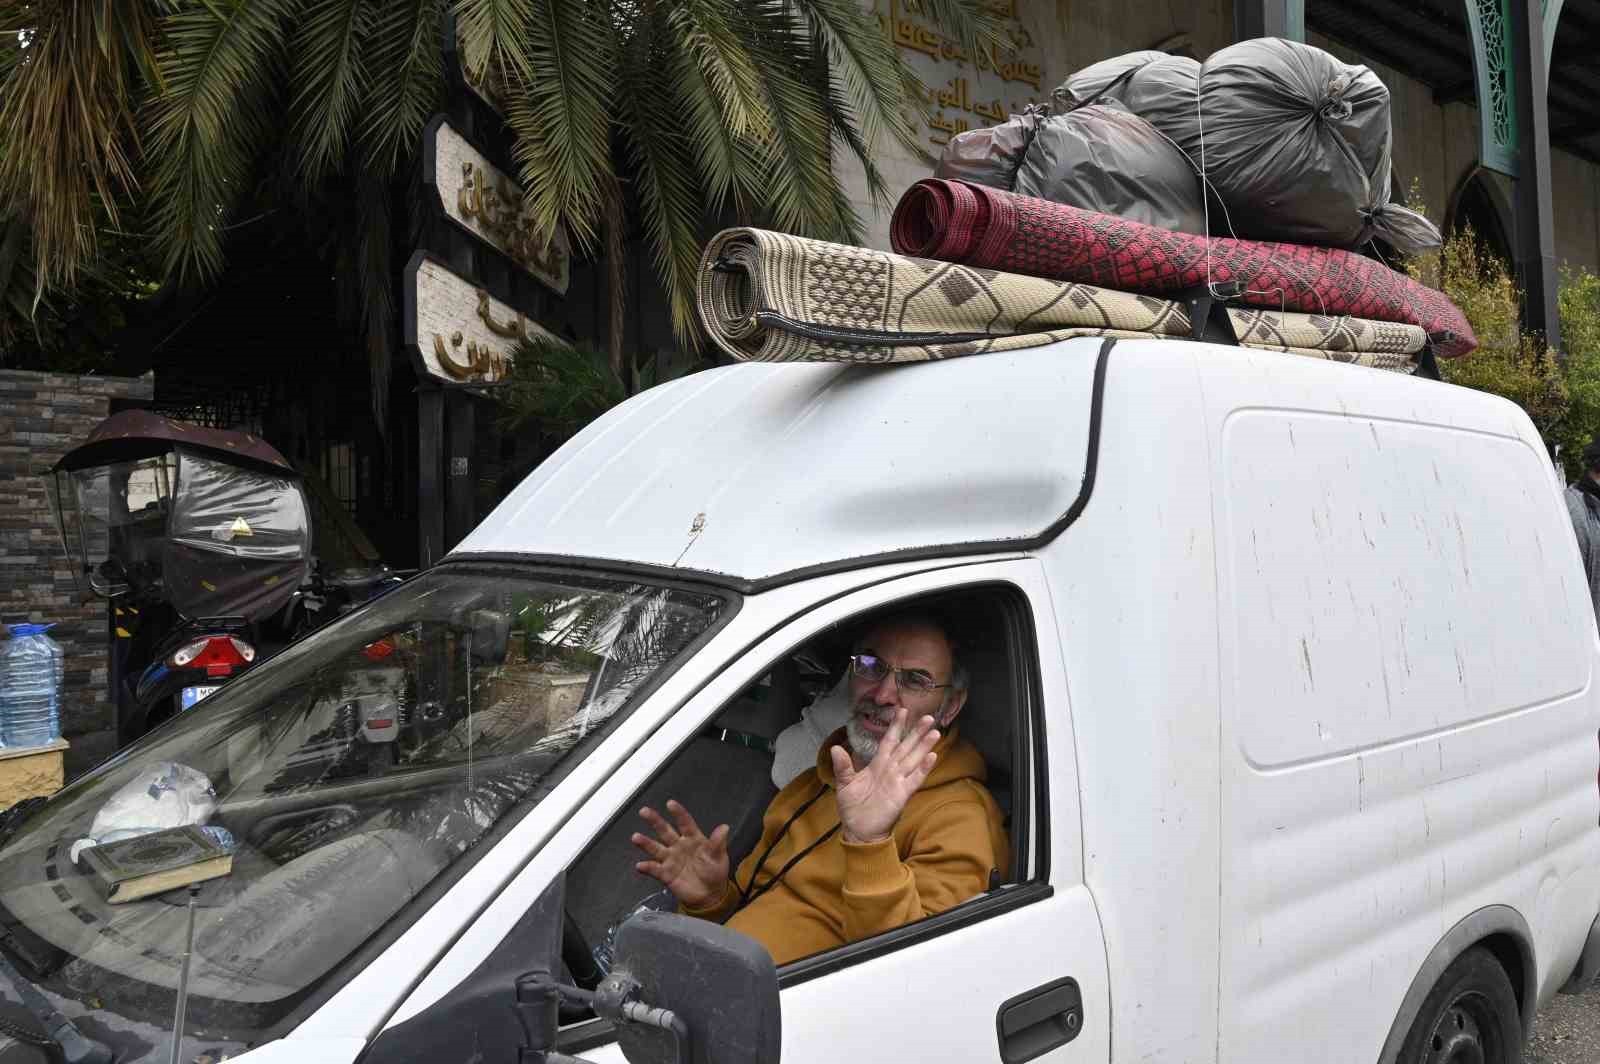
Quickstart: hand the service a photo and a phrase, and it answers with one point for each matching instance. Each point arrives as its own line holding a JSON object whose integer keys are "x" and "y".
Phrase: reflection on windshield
{"x": 348, "y": 774}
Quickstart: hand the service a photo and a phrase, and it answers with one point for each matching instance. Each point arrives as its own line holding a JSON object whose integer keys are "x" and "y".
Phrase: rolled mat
{"x": 979, "y": 226}
{"x": 771, "y": 297}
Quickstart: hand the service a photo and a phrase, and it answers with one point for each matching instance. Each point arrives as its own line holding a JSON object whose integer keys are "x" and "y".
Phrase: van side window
{"x": 967, "y": 834}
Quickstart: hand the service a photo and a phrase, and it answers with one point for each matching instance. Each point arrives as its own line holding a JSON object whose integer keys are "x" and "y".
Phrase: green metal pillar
{"x": 1535, "y": 233}
{"x": 1511, "y": 44}
{"x": 1269, "y": 18}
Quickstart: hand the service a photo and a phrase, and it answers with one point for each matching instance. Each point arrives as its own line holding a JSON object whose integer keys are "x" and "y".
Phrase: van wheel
{"x": 1470, "y": 1017}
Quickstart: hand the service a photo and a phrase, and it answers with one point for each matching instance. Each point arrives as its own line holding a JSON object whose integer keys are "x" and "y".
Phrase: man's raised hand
{"x": 870, "y": 801}
{"x": 689, "y": 863}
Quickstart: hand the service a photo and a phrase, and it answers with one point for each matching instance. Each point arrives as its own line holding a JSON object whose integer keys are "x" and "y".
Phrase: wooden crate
{"x": 31, "y": 771}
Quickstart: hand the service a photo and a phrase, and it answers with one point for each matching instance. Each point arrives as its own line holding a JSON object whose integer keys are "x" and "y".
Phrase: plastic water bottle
{"x": 31, "y": 674}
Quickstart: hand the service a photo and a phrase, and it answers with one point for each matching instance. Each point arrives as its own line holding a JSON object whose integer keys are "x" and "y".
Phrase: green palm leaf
{"x": 219, "y": 66}
{"x": 666, "y": 176}
{"x": 405, "y": 82}
{"x": 493, "y": 33}
{"x": 330, "y": 79}
{"x": 561, "y": 114}
{"x": 709, "y": 32}
{"x": 865, "y": 62}
{"x": 68, "y": 122}
{"x": 797, "y": 163}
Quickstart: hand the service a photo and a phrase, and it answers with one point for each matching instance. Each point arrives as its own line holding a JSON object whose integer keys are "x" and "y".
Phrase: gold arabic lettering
{"x": 482, "y": 362}
{"x": 497, "y": 210}
{"x": 516, "y": 329}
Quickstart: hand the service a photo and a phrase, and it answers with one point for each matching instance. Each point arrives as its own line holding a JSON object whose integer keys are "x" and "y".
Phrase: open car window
{"x": 726, "y": 774}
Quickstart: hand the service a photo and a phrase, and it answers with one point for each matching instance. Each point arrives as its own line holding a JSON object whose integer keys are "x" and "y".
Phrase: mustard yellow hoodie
{"x": 946, "y": 842}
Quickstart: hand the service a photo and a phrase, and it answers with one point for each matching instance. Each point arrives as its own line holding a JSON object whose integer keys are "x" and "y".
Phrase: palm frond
{"x": 846, "y": 132}
{"x": 710, "y": 34}
{"x": 666, "y": 176}
{"x": 67, "y": 122}
{"x": 556, "y": 388}
{"x": 493, "y": 33}
{"x": 329, "y": 78}
{"x": 970, "y": 23}
{"x": 561, "y": 115}
{"x": 219, "y": 65}
{"x": 867, "y": 64}
{"x": 797, "y": 163}
{"x": 406, "y": 80}
{"x": 724, "y": 167}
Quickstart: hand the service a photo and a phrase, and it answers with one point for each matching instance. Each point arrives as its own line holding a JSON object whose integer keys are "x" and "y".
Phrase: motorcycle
{"x": 199, "y": 538}
{"x": 329, "y": 595}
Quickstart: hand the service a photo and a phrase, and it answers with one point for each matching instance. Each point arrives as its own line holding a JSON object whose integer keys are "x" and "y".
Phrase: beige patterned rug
{"x": 771, "y": 297}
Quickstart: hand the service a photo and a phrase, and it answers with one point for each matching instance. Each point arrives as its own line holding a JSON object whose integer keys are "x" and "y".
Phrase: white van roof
{"x": 759, "y": 473}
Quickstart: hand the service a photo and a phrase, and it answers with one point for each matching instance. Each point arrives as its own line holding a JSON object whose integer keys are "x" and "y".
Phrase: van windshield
{"x": 340, "y": 779}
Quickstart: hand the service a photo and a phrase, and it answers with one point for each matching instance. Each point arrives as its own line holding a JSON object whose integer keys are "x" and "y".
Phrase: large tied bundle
{"x": 1102, "y": 158}
{"x": 1162, "y": 89}
{"x": 1298, "y": 145}
{"x": 993, "y": 229}
{"x": 771, "y": 297}
{"x": 1295, "y": 142}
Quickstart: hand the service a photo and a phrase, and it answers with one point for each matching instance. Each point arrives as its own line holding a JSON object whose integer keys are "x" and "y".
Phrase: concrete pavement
{"x": 1567, "y": 1031}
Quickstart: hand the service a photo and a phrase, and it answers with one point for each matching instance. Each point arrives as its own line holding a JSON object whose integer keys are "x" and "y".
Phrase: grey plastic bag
{"x": 1095, "y": 80}
{"x": 991, "y": 155}
{"x": 1101, "y": 158}
{"x": 1162, "y": 89}
{"x": 1297, "y": 144}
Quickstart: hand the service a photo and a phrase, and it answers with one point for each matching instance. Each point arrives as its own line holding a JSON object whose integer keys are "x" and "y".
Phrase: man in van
{"x": 1583, "y": 504}
{"x": 893, "y": 823}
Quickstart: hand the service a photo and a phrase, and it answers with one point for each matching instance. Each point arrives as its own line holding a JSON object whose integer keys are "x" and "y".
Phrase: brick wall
{"x": 43, "y": 415}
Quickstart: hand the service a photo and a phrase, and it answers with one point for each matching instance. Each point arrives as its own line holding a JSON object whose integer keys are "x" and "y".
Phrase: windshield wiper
{"x": 76, "y": 1047}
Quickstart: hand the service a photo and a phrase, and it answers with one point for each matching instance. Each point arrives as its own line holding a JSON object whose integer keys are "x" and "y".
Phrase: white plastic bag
{"x": 163, "y": 795}
{"x": 796, "y": 747}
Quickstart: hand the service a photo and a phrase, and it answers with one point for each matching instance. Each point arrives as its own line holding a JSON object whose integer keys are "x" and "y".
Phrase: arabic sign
{"x": 480, "y": 198}
{"x": 965, "y": 91}
{"x": 460, "y": 333}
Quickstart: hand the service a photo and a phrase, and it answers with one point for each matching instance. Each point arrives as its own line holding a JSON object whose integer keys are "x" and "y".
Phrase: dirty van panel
{"x": 1408, "y": 721}
{"x": 1388, "y": 582}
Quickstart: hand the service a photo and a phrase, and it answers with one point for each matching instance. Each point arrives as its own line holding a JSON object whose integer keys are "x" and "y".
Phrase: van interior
{"x": 725, "y": 774}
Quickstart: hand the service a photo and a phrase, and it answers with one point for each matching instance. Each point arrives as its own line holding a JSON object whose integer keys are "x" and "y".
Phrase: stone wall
{"x": 42, "y": 416}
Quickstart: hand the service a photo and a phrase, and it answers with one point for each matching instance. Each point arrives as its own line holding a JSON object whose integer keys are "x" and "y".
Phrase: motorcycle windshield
{"x": 238, "y": 511}
{"x": 117, "y": 513}
{"x": 340, "y": 779}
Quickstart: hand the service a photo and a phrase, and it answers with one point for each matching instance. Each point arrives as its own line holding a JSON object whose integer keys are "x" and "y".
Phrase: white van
{"x": 1283, "y": 671}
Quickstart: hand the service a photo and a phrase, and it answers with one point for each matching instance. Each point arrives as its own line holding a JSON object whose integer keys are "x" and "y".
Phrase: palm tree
{"x": 688, "y": 108}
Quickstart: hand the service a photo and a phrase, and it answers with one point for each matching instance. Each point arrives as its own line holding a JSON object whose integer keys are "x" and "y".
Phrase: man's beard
{"x": 863, "y": 744}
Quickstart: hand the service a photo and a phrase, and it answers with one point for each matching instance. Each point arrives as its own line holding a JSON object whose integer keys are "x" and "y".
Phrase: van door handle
{"x": 1035, "y": 1022}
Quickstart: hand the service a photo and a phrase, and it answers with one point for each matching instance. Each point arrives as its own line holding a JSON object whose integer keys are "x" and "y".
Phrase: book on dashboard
{"x": 135, "y": 868}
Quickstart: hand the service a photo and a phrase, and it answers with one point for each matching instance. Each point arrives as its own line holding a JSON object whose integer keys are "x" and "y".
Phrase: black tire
{"x": 1469, "y": 1017}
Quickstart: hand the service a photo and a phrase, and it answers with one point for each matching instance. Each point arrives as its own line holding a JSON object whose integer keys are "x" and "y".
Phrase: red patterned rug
{"x": 987, "y": 227}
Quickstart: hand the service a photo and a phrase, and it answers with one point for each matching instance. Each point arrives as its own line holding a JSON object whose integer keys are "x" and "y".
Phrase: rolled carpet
{"x": 987, "y": 227}
{"x": 771, "y": 297}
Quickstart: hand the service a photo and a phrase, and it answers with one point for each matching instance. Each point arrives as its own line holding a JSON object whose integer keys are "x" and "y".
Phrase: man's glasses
{"x": 875, "y": 670}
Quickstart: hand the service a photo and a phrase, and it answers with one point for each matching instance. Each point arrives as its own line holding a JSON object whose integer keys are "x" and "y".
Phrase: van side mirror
{"x": 684, "y": 991}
